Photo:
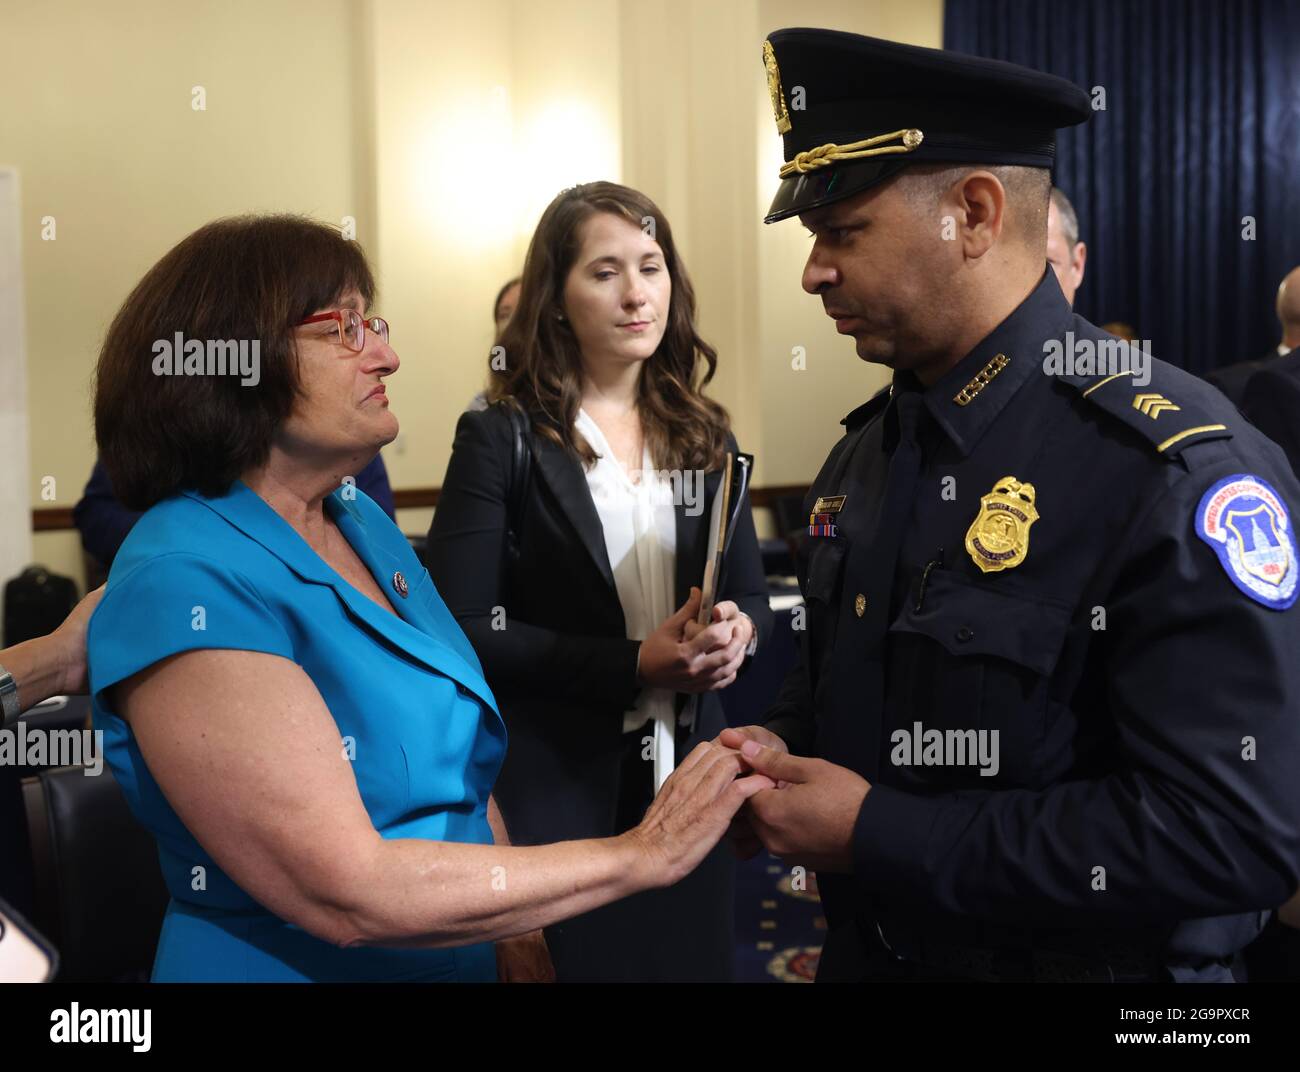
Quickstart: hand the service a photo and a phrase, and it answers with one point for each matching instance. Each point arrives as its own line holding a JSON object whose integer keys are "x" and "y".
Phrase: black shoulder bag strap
{"x": 521, "y": 465}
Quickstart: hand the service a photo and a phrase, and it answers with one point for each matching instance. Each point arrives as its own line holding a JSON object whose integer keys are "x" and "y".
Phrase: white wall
{"x": 15, "y": 523}
{"x": 442, "y": 128}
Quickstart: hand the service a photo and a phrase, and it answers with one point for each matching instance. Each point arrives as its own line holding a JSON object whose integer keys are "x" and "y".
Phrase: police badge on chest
{"x": 998, "y": 538}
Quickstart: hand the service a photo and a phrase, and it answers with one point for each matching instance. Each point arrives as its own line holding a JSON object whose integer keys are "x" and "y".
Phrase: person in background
{"x": 1068, "y": 256}
{"x": 504, "y": 307}
{"x": 1232, "y": 379}
{"x": 502, "y": 310}
{"x": 104, "y": 522}
{"x": 1120, "y": 330}
{"x": 1271, "y": 402}
{"x": 1271, "y": 399}
{"x": 585, "y": 617}
{"x": 1065, "y": 253}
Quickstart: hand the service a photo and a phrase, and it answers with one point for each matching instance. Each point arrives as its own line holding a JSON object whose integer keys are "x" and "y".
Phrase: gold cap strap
{"x": 825, "y": 155}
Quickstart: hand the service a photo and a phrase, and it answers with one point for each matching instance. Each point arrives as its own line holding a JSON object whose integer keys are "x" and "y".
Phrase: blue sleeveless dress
{"x": 407, "y": 694}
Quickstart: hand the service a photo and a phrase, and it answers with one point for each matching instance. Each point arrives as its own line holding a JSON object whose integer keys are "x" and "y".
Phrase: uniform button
{"x": 860, "y": 605}
{"x": 965, "y": 633}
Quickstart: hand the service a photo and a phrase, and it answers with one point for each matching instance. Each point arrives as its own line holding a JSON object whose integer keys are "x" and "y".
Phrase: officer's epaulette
{"x": 867, "y": 410}
{"x": 1174, "y": 410}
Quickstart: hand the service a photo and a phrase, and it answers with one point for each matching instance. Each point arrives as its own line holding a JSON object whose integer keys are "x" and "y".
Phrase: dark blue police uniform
{"x": 1050, "y": 619}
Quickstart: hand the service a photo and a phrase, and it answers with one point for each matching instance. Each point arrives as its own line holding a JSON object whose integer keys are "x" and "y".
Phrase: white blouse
{"x": 640, "y": 528}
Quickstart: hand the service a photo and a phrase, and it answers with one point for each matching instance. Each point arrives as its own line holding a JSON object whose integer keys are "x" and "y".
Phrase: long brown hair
{"x": 543, "y": 376}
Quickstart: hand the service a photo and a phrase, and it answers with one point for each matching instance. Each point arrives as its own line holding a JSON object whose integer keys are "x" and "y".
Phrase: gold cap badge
{"x": 998, "y": 538}
{"x": 774, "y": 88}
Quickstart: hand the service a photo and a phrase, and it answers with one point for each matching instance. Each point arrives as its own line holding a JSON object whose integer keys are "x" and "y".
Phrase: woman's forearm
{"x": 38, "y": 667}
{"x": 425, "y": 893}
{"x": 435, "y": 894}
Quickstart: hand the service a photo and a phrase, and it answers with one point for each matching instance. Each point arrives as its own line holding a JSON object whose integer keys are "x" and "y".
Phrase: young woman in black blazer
{"x": 575, "y": 570}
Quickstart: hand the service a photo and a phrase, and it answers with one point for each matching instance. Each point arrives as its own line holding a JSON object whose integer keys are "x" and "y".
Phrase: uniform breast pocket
{"x": 977, "y": 657}
{"x": 821, "y": 591}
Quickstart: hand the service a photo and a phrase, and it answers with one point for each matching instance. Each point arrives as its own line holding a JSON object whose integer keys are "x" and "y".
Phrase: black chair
{"x": 99, "y": 890}
{"x": 56, "y": 718}
{"x": 791, "y": 524}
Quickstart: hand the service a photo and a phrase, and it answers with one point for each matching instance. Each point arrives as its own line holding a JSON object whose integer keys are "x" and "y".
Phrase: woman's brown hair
{"x": 683, "y": 429}
{"x": 249, "y": 278}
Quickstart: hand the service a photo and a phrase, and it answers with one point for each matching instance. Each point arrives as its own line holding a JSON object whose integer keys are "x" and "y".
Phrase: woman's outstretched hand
{"x": 693, "y": 811}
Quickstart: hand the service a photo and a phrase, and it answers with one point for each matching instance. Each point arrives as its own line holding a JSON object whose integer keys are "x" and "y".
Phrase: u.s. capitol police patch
{"x": 1247, "y": 524}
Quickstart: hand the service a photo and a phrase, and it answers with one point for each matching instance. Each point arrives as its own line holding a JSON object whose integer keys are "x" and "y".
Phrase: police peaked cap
{"x": 855, "y": 110}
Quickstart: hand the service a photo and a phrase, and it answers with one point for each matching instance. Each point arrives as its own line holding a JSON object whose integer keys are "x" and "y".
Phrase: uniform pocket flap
{"x": 825, "y": 560}
{"x": 973, "y": 618}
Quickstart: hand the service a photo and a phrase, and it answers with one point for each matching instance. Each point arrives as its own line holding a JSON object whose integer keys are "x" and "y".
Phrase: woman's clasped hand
{"x": 693, "y": 810}
{"x": 685, "y": 656}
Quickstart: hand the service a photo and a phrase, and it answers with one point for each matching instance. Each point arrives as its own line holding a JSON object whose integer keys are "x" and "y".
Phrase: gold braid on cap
{"x": 826, "y": 155}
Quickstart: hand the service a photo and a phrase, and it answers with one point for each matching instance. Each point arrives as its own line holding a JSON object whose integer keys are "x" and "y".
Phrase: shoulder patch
{"x": 1172, "y": 419}
{"x": 1245, "y": 522}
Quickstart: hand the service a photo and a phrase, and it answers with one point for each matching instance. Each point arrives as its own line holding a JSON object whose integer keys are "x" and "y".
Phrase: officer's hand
{"x": 744, "y": 839}
{"x": 670, "y": 661}
{"x": 736, "y": 736}
{"x": 1289, "y": 913}
{"x": 810, "y": 821}
{"x": 524, "y": 959}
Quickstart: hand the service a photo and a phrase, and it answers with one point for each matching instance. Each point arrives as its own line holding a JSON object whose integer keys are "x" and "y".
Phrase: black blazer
{"x": 1232, "y": 379}
{"x": 549, "y": 628}
{"x": 1271, "y": 402}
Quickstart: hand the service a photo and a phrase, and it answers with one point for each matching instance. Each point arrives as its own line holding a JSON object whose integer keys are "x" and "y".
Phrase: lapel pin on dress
{"x": 399, "y": 584}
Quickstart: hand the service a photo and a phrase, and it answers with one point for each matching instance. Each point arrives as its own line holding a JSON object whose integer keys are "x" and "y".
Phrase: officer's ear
{"x": 980, "y": 205}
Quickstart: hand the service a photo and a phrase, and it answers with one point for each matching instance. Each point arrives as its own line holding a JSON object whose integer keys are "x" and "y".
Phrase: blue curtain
{"x": 1200, "y": 132}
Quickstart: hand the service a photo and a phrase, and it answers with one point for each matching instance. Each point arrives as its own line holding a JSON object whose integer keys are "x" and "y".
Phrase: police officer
{"x": 1044, "y": 724}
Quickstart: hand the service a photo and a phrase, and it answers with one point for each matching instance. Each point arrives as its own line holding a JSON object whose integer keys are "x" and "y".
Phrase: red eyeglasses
{"x": 351, "y": 327}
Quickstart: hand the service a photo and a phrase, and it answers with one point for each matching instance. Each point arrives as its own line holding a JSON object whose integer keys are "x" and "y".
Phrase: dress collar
{"x": 426, "y": 630}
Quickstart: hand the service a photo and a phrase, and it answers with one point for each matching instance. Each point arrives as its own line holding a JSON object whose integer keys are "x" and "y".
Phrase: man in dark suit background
{"x": 1272, "y": 404}
{"x": 1270, "y": 400}
{"x": 1271, "y": 396}
{"x": 1233, "y": 379}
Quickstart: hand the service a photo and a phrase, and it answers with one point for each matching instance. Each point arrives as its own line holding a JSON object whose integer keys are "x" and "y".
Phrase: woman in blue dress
{"x": 286, "y": 701}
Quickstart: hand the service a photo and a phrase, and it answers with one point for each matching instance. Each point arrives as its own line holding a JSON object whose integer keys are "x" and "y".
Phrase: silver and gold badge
{"x": 998, "y": 538}
{"x": 779, "y": 111}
